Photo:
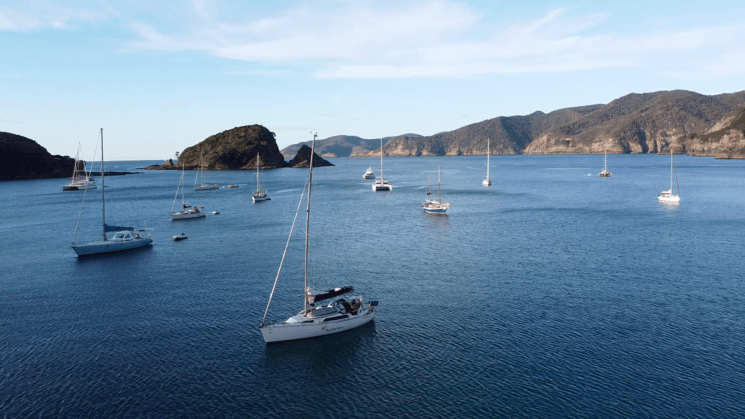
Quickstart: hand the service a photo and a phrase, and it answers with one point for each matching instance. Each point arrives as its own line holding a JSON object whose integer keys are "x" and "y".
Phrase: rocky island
{"x": 24, "y": 158}
{"x": 237, "y": 149}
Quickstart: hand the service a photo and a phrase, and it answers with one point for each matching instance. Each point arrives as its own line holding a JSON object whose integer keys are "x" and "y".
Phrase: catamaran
{"x": 381, "y": 184}
{"x": 260, "y": 194}
{"x": 668, "y": 196}
{"x": 200, "y": 175}
{"x": 81, "y": 180}
{"x": 187, "y": 211}
{"x": 435, "y": 206}
{"x": 121, "y": 238}
{"x": 487, "y": 179}
{"x": 605, "y": 172}
{"x": 323, "y": 313}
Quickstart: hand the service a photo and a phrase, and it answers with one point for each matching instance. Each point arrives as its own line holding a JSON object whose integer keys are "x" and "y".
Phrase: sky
{"x": 162, "y": 76}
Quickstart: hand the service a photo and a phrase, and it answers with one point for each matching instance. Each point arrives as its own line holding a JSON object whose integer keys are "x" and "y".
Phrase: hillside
{"x": 23, "y": 158}
{"x": 635, "y": 123}
{"x": 725, "y": 140}
{"x": 342, "y": 145}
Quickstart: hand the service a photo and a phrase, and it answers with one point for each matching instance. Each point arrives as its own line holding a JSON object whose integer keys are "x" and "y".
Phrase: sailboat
{"x": 668, "y": 196}
{"x": 121, "y": 238}
{"x": 187, "y": 211}
{"x": 323, "y": 313}
{"x": 260, "y": 194}
{"x": 200, "y": 175}
{"x": 435, "y": 206}
{"x": 381, "y": 184}
{"x": 80, "y": 180}
{"x": 369, "y": 174}
{"x": 487, "y": 180}
{"x": 605, "y": 172}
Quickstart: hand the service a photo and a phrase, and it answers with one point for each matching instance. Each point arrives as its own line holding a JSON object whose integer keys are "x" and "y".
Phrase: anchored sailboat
{"x": 260, "y": 194}
{"x": 605, "y": 172}
{"x": 487, "y": 179}
{"x": 200, "y": 175}
{"x": 381, "y": 184}
{"x": 668, "y": 196}
{"x": 121, "y": 239}
{"x": 323, "y": 313}
{"x": 435, "y": 206}
{"x": 187, "y": 211}
{"x": 81, "y": 180}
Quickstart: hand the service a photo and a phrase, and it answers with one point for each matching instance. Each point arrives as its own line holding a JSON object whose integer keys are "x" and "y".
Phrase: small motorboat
{"x": 215, "y": 212}
{"x": 180, "y": 237}
{"x": 233, "y": 186}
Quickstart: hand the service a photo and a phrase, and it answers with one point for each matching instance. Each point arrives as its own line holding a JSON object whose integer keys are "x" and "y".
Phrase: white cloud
{"x": 33, "y": 16}
{"x": 431, "y": 38}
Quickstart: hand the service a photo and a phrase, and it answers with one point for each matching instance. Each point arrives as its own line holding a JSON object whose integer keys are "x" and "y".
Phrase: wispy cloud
{"x": 32, "y": 16}
{"x": 431, "y": 38}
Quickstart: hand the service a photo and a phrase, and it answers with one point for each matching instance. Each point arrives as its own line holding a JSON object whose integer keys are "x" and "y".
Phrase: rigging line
{"x": 675, "y": 168}
{"x": 274, "y": 287}
{"x": 80, "y": 215}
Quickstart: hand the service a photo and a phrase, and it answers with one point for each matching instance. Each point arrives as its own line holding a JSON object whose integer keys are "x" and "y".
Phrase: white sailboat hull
{"x": 668, "y": 197}
{"x": 282, "y": 332}
{"x": 486, "y": 182}
{"x": 379, "y": 186}
{"x": 258, "y": 197}
{"x": 186, "y": 215}
{"x": 110, "y": 246}
{"x": 206, "y": 187}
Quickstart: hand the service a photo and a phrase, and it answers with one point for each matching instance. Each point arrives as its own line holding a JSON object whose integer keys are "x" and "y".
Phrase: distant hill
{"x": 302, "y": 159}
{"x": 23, "y": 158}
{"x": 342, "y": 145}
{"x": 635, "y": 123}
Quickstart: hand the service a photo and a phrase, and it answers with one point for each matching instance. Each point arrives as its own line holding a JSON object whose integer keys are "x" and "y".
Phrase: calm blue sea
{"x": 550, "y": 294}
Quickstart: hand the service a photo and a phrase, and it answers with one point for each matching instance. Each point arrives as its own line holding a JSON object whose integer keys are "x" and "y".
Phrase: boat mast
{"x": 183, "y": 201}
{"x": 307, "y": 218}
{"x": 103, "y": 190}
{"x": 488, "y": 154}
{"x": 439, "y": 192}
{"x": 382, "y": 178}
{"x": 605, "y": 164}
{"x": 671, "y": 170}
{"x": 258, "y": 162}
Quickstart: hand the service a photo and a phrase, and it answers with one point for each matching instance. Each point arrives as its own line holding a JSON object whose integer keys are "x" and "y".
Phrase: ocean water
{"x": 549, "y": 294}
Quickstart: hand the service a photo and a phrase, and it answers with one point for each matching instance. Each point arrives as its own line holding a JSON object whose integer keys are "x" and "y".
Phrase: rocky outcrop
{"x": 302, "y": 159}
{"x": 234, "y": 149}
{"x": 23, "y": 158}
{"x": 726, "y": 139}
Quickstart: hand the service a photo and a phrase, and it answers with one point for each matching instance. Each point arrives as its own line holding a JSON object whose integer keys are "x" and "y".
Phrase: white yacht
{"x": 187, "y": 211}
{"x": 260, "y": 194}
{"x": 323, "y": 313}
{"x": 487, "y": 179}
{"x": 381, "y": 184}
{"x": 81, "y": 180}
{"x": 200, "y": 175}
{"x": 115, "y": 238}
{"x": 369, "y": 174}
{"x": 668, "y": 196}
{"x": 435, "y": 206}
{"x": 605, "y": 172}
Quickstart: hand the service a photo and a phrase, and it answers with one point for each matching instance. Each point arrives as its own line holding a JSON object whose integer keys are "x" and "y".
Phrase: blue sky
{"x": 161, "y": 77}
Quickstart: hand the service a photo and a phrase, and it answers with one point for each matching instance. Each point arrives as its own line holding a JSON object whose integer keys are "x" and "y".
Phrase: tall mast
{"x": 439, "y": 192}
{"x": 605, "y": 164}
{"x": 183, "y": 201}
{"x": 103, "y": 190}
{"x": 381, "y": 159}
{"x": 257, "y": 172}
{"x": 307, "y": 220}
{"x": 488, "y": 154}
{"x": 671, "y": 170}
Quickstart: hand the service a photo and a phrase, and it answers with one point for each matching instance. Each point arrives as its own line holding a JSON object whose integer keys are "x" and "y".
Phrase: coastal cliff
{"x": 24, "y": 158}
